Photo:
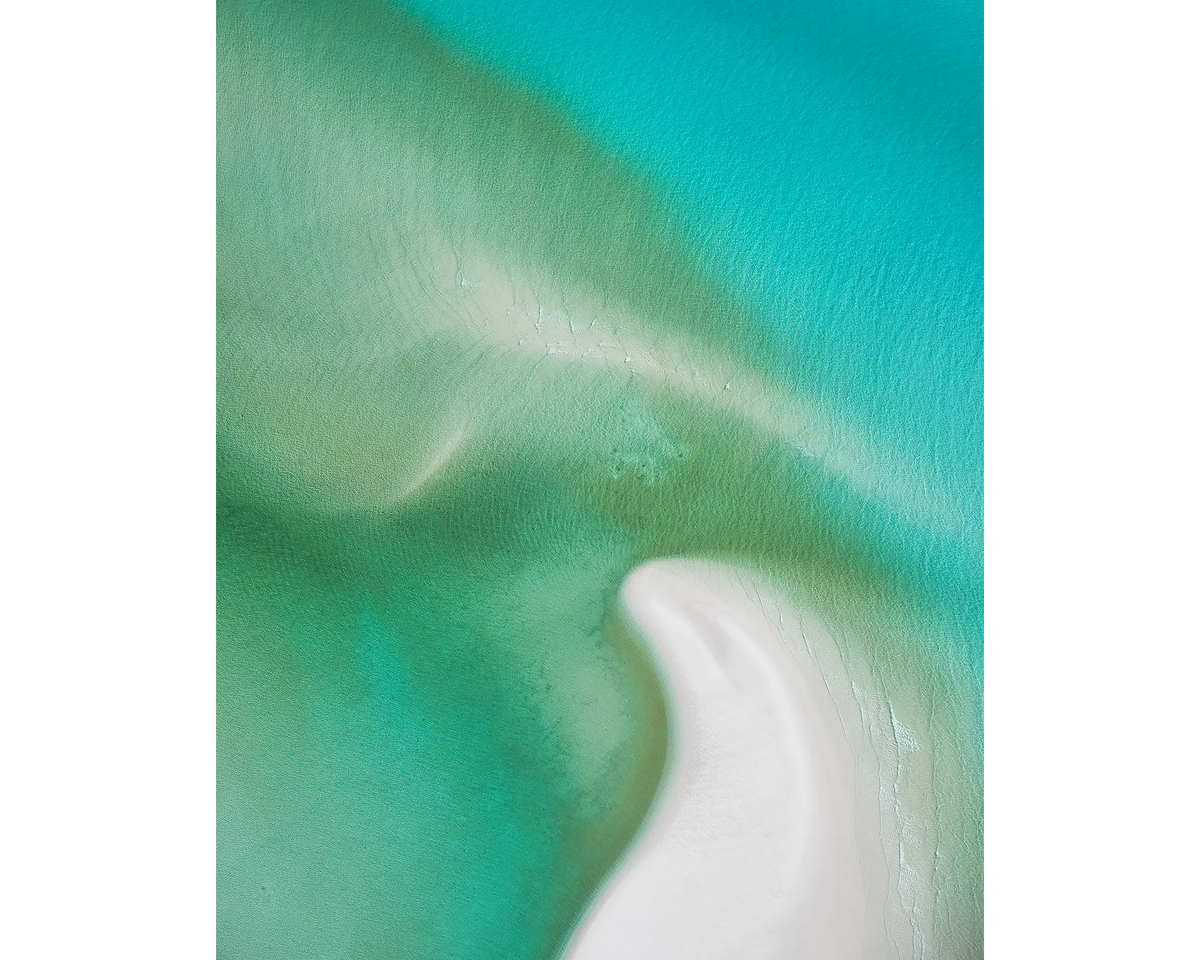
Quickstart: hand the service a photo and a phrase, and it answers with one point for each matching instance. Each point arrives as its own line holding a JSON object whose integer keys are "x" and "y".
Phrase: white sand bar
{"x": 750, "y": 851}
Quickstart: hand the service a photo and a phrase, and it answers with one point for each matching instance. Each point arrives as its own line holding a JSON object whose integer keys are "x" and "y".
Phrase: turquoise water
{"x": 827, "y": 158}
{"x": 498, "y": 290}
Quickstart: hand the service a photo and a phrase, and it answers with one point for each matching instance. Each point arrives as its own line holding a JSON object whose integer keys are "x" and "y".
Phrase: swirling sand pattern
{"x": 475, "y": 367}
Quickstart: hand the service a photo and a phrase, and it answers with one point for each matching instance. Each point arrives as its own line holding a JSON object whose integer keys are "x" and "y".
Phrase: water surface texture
{"x": 514, "y": 298}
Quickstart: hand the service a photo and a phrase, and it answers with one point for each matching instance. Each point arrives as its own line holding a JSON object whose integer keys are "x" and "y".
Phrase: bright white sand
{"x": 751, "y": 851}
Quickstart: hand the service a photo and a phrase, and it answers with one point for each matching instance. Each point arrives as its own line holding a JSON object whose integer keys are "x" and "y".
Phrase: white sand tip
{"x": 751, "y": 850}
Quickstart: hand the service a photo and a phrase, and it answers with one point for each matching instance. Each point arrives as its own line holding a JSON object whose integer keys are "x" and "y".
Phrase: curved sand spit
{"x": 751, "y": 851}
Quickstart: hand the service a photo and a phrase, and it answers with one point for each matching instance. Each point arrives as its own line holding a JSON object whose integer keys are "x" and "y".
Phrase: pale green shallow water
{"x": 434, "y": 734}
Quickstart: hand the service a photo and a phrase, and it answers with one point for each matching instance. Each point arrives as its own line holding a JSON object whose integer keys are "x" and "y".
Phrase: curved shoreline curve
{"x": 751, "y": 849}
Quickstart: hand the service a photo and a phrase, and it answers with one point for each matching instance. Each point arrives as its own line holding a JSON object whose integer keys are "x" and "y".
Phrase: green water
{"x": 435, "y": 735}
